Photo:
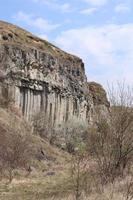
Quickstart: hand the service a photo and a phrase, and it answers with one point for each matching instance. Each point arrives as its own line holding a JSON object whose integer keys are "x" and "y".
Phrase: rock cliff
{"x": 42, "y": 77}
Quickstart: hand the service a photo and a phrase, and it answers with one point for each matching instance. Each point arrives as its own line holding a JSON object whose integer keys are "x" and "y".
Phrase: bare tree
{"x": 111, "y": 140}
{"x": 122, "y": 124}
{"x": 15, "y": 148}
{"x": 6, "y": 98}
{"x": 128, "y": 194}
{"x": 79, "y": 170}
{"x": 43, "y": 127}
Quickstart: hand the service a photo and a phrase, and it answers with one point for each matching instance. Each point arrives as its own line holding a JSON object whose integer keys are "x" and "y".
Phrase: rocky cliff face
{"x": 100, "y": 101}
{"x": 41, "y": 77}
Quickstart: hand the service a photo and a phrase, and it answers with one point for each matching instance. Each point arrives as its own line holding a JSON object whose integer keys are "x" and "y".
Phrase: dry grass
{"x": 26, "y": 40}
{"x": 51, "y": 179}
{"x": 57, "y": 187}
{"x": 47, "y": 175}
{"x": 44, "y": 187}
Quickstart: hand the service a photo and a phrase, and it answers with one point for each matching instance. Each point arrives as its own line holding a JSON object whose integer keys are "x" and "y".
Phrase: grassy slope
{"x": 50, "y": 178}
{"x": 46, "y": 174}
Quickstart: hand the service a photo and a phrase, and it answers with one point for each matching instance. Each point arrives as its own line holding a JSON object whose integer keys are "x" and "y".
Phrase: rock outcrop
{"x": 41, "y": 77}
{"x": 100, "y": 101}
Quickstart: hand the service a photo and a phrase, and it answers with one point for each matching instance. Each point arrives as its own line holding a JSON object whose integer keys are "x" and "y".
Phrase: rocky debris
{"x": 50, "y": 173}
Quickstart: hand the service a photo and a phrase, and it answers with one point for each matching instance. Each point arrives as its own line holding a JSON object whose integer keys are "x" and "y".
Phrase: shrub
{"x": 15, "y": 147}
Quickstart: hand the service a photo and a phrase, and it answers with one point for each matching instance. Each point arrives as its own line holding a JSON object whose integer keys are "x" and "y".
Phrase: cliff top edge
{"x": 14, "y": 35}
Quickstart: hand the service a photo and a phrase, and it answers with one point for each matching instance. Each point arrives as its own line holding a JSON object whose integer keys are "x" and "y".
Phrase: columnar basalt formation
{"x": 41, "y": 77}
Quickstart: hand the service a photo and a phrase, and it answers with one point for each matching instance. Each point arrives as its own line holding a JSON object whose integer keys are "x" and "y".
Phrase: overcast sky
{"x": 99, "y": 31}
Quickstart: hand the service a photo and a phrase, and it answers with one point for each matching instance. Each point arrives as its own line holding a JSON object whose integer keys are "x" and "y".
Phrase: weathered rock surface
{"x": 41, "y": 77}
{"x": 98, "y": 94}
{"x": 100, "y": 101}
